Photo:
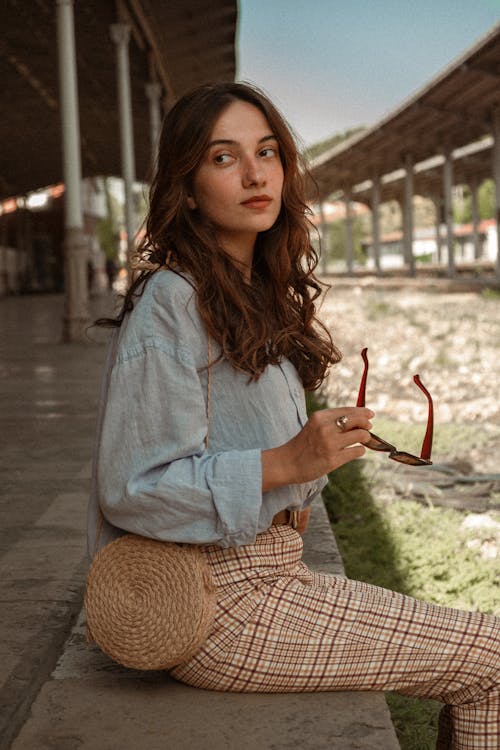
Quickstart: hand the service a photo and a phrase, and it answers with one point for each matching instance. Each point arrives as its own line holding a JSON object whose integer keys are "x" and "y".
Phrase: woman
{"x": 229, "y": 269}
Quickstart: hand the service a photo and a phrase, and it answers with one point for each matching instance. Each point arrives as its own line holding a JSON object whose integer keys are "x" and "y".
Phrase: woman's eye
{"x": 268, "y": 152}
{"x": 222, "y": 158}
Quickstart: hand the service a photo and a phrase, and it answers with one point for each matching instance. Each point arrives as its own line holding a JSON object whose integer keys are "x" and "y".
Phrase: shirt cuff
{"x": 235, "y": 481}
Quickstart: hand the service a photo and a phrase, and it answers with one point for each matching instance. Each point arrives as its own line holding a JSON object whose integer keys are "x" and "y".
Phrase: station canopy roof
{"x": 180, "y": 43}
{"x": 452, "y": 112}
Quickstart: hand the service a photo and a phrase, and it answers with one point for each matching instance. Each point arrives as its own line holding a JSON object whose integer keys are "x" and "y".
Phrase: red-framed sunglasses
{"x": 377, "y": 444}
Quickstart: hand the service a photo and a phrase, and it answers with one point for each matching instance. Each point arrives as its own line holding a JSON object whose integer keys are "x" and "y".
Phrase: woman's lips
{"x": 257, "y": 201}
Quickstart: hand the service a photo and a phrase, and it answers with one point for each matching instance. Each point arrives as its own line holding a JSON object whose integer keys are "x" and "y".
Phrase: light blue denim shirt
{"x": 153, "y": 473}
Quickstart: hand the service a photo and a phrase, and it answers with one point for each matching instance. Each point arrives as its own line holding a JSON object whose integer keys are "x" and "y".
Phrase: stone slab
{"x": 91, "y": 702}
{"x": 114, "y": 714}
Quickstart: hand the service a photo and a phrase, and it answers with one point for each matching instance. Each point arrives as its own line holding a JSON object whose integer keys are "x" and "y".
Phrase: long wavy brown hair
{"x": 274, "y": 316}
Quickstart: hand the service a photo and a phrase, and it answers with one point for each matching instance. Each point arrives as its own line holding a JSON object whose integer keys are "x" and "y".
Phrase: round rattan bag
{"x": 149, "y": 604}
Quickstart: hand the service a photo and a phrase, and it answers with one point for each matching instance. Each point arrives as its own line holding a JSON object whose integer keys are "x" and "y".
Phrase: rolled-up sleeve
{"x": 156, "y": 477}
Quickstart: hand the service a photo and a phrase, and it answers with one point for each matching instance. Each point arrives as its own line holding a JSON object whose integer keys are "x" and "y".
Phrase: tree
{"x": 486, "y": 199}
{"x": 336, "y": 240}
{"x": 318, "y": 148}
{"x": 462, "y": 207}
{"x": 108, "y": 227}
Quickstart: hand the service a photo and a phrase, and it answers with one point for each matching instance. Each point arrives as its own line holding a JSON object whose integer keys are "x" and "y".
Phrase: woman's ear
{"x": 191, "y": 203}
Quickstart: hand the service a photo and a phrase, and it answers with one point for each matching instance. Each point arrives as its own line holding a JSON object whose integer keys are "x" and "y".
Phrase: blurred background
{"x": 395, "y": 106}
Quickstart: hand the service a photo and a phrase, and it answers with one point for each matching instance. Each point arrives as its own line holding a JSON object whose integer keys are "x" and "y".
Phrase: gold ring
{"x": 341, "y": 422}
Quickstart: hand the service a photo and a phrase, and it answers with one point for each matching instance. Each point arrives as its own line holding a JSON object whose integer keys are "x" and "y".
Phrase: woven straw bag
{"x": 150, "y": 604}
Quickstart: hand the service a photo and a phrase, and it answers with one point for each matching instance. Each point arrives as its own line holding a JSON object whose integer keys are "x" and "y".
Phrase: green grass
{"x": 415, "y": 721}
{"x": 408, "y": 547}
{"x": 490, "y": 294}
{"x": 379, "y": 309}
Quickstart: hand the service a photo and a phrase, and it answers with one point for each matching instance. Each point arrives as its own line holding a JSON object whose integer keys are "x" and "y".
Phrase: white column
{"x": 496, "y": 177}
{"x": 376, "y": 221}
{"x": 448, "y": 210}
{"x": 120, "y": 34}
{"x": 76, "y": 256}
{"x": 153, "y": 92}
{"x": 476, "y": 240}
{"x": 324, "y": 238}
{"x": 349, "y": 244}
{"x": 408, "y": 216}
{"x": 437, "y": 208}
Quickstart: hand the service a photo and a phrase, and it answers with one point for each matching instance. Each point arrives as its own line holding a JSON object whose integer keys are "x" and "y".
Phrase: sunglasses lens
{"x": 377, "y": 444}
{"x": 409, "y": 459}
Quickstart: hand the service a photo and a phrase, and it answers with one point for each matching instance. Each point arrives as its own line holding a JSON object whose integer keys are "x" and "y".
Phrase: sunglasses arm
{"x": 427, "y": 443}
{"x": 362, "y": 385}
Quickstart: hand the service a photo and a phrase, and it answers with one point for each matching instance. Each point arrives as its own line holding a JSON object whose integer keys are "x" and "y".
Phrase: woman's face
{"x": 238, "y": 184}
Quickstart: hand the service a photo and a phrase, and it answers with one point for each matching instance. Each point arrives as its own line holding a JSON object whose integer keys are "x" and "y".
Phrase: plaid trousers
{"x": 281, "y": 627}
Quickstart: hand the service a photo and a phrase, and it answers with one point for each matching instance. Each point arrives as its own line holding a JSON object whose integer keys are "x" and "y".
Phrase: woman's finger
{"x": 349, "y": 425}
{"x": 343, "y": 419}
{"x": 349, "y": 454}
{"x": 351, "y": 437}
{"x": 352, "y": 412}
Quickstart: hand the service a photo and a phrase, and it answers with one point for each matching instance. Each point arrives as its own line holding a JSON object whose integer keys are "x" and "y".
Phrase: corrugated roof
{"x": 185, "y": 43}
{"x": 453, "y": 110}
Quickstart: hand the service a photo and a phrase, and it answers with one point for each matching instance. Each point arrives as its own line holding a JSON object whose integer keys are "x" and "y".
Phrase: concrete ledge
{"x": 89, "y": 702}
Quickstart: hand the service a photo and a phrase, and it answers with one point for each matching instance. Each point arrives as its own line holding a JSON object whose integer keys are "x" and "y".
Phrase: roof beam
{"x": 149, "y": 35}
{"x": 458, "y": 114}
{"x": 126, "y": 17}
{"x": 486, "y": 72}
{"x": 26, "y": 73}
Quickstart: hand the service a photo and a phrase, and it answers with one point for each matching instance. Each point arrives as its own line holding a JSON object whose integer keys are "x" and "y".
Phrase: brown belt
{"x": 287, "y": 518}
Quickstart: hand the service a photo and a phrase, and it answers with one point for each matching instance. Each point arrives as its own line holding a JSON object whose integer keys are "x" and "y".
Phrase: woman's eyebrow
{"x": 229, "y": 142}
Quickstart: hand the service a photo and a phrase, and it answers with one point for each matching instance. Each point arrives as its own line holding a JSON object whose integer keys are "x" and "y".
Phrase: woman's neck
{"x": 241, "y": 255}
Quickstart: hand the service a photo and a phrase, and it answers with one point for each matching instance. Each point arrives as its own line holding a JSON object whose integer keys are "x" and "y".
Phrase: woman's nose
{"x": 253, "y": 174}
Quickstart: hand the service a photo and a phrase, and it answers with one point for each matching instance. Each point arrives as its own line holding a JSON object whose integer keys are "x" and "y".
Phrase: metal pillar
{"x": 437, "y": 208}
{"x": 448, "y": 210}
{"x": 324, "y": 239}
{"x": 476, "y": 240}
{"x": 24, "y": 247}
{"x": 349, "y": 244}
{"x": 153, "y": 92}
{"x": 496, "y": 177}
{"x": 4, "y": 275}
{"x": 408, "y": 217}
{"x": 76, "y": 256}
{"x": 376, "y": 222}
{"x": 120, "y": 34}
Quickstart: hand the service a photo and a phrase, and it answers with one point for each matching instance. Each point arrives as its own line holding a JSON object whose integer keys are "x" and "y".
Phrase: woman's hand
{"x": 320, "y": 447}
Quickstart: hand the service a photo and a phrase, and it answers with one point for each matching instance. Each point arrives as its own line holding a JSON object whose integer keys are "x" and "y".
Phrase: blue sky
{"x": 332, "y": 65}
